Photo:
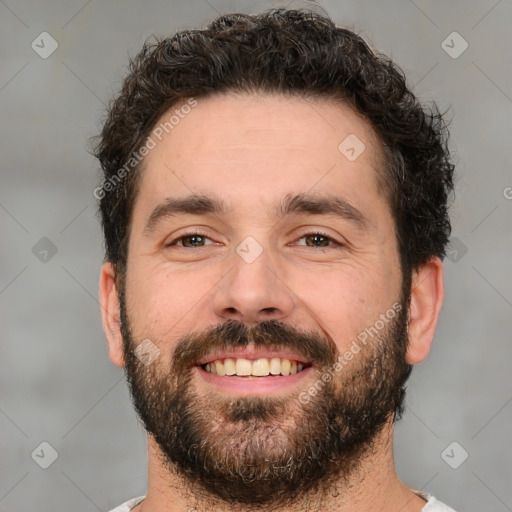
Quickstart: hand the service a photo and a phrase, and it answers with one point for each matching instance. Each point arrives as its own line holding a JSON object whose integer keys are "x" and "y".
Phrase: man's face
{"x": 277, "y": 269}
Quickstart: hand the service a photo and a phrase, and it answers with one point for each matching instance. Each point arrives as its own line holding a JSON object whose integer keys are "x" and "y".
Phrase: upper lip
{"x": 254, "y": 353}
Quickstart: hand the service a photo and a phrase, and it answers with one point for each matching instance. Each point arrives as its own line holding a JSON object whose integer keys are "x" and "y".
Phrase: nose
{"x": 253, "y": 292}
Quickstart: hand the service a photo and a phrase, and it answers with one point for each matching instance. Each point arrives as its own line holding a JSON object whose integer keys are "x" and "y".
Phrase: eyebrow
{"x": 292, "y": 204}
{"x": 322, "y": 205}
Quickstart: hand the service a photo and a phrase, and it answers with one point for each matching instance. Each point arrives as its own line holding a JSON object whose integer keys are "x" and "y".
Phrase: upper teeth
{"x": 259, "y": 367}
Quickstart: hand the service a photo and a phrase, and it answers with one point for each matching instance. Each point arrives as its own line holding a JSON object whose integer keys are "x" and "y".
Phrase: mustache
{"x": 317, "y": 348}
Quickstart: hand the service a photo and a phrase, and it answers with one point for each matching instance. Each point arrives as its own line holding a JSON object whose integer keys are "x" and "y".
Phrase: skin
{"x": 251, "y": 151}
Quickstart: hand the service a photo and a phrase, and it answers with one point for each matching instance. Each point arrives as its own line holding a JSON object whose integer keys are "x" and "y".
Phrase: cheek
{"x": 165, "y": 304}
{"x": 345, "y": 301}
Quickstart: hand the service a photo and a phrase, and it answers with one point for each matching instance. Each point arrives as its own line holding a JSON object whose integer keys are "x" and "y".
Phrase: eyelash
{"x": 309, "y": 233}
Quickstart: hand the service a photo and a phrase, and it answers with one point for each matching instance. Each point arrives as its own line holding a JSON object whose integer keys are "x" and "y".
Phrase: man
{"x": 274, "y": 207}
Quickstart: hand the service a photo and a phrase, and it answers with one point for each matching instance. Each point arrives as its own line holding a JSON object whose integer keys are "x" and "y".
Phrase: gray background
{"x": 57, "y": 383}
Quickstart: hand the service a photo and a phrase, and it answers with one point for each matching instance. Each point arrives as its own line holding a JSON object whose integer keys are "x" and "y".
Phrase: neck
{"x": 374, "y": 486}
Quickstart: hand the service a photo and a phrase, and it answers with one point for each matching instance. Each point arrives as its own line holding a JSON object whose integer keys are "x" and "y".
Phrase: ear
{"x": 111, "y": 314}
{"x": 427, "y": 294}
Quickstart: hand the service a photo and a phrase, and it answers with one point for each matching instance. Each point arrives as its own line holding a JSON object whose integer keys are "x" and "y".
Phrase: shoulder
{"x": 433, "y": 504}
{"x": 128, "y": 505}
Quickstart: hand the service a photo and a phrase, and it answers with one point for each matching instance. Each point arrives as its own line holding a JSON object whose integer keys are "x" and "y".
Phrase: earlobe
{"x": 427, "y": 294}
{"x": 110, "y": 313}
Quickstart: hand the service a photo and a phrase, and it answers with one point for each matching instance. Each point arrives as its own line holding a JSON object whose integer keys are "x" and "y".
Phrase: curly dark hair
{"x": 293, "y": 52}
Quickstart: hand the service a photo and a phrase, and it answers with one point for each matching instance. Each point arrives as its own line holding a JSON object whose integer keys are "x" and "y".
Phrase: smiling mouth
{"x": 257, "y": 368}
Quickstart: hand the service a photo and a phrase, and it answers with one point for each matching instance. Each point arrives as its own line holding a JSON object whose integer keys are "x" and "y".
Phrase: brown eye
{"x": 193, "y": 241}
{"x": 190, "y": 241}
{"x": 317, "y": 240}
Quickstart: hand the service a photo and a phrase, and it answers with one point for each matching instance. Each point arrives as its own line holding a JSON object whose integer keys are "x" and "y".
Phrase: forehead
{"x": 245, "y": 147}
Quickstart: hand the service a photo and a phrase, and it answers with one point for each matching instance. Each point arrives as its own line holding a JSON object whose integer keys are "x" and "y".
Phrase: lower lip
{"x": 254, "y": 385}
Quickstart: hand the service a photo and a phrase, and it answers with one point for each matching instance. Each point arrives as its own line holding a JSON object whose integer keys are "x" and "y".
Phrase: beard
{"x": 257, "y": 451}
